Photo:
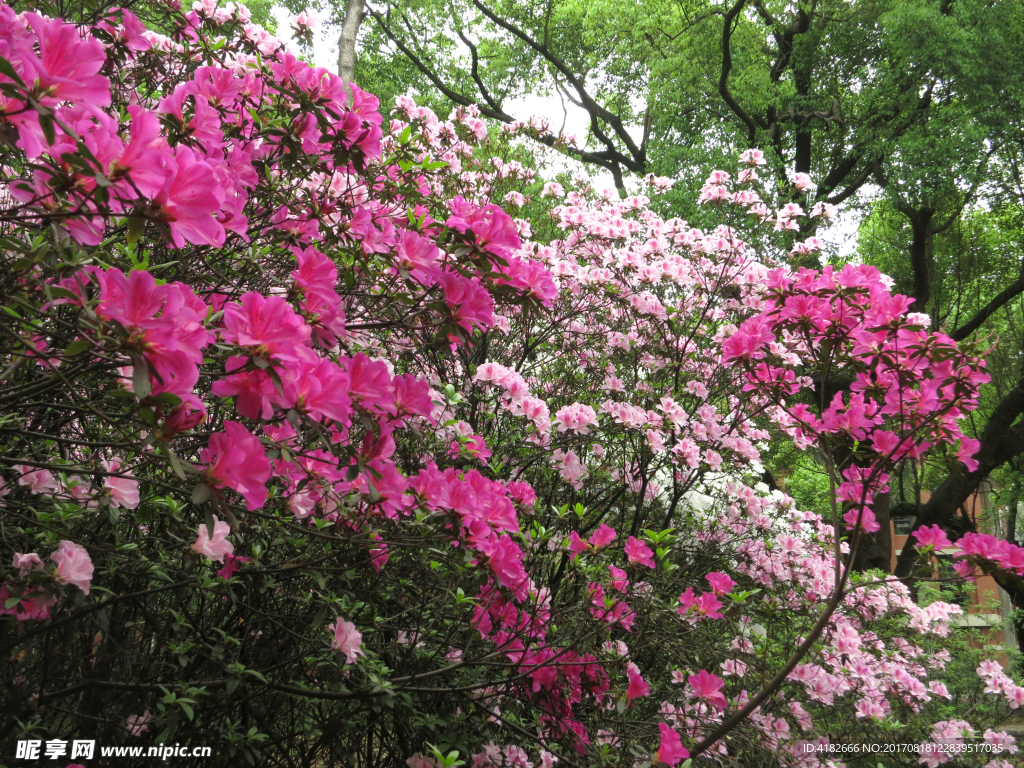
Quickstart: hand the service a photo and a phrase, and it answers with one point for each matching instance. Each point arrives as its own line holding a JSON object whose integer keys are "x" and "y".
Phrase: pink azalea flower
{"x": 36, "y": 480}
{"x": 416, "y": 252}
{"x": 136, "y": 725}
{"x": 470, "y": 303}
{"x": 602, "y": 537}
{"x": 618, "y": 578}
{"x": 533, "y": 278}
{"x": 124, "y": 492}
{"x": 379, "y": 554}
{"x": 576, "y": 544}
{"x": 965, "y": 569}
{"x": 236, "y": 459}
{"x": 476, "y": 446}
{"x": 505, "y": 559}
{"x": 266, "y": 325}
{"x": 254, "y": 391}
{"x": 347, "y": 639}
{"x": 576, "y": 417}
{"x": 35, "y": 606}
{"x": 26, "y": 563}
{"x": 319, "y": 389}
{"x": 931, "y": 538}
{"x": 708, "y": 686}
{"x": 67, "y": 65}
{"x": 638, "y": 552}
{"x": 230, "y": 567}
{"x": 637, "y": 685}
{"x": 73, "y": 565}
{"x": 412, "y": 397}
{"x": 752, "y": 157}
{"x": 188, "y": 201}
{"x": 492, "y": 228}
{"x": 968, "y": 449}
{"x": 686, "y": 601}
{"x": 707, "y": 606}
{"x": 146, "y": 160}
{"x": 671, "y": 751}
{"x": 370, "y": 384}
{"x": 721, "y": 583}
{"x": 863, "y": 518}
{"x": 217, "y": 547}
{"x": 316, "y": 279}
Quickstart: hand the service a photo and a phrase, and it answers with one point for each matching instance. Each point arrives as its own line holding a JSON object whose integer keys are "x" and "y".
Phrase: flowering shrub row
{"x": 489, "y": 489}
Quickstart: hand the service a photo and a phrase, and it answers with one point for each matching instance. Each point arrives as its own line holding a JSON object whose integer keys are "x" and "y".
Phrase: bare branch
{"x": 636, "y": 161}
{"x": 610, "y": 159}
{"x": 1008, "y": 293}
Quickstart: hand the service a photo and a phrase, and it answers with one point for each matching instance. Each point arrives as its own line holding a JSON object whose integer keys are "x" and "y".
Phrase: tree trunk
{"x": 921, "y": 254}
{"x": 1001, "y": 440}
{"x": 354, "y": 13}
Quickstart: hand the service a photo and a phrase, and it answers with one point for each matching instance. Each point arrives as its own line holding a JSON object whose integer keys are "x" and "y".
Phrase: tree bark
{"x": 354, "y": 13}
{"x": 1001, "y": 440}
{"x": 921, "y": 254}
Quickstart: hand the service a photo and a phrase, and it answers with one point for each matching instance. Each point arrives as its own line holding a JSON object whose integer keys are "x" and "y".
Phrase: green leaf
{"x": 77, "y": 347}
{"x": 136, "y": 228}
{"x": 140, "y": 376}
{"x": 7, "y": 68}
{"x": 46, "y": 123}
{"x": 200, "y": 494}
{"x": 167, "y": 398}
{"x": 176, "y": 464}
{"x": 56, "y": 292}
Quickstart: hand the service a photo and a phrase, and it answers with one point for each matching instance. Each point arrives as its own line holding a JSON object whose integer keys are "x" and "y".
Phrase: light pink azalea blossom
{"x": 73, "y": 565}
{"x": 36, "y": 480}
{"x": 124, "y": 492}
{"x": 217, "y": 547}
{"x": 136, "y": 725}
{"x": 347, "y": 639}
{"x": 26, "y": 563}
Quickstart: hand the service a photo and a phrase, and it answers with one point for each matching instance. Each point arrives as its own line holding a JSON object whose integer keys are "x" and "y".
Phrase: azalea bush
{"x": 314, "y": 454}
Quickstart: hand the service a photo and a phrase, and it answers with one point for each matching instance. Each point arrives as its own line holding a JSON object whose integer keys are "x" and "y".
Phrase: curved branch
{"x": 609, "y": 160}
{"x": 1008, "y": 293}
{"x": 841, "y": 172}
{"x": 636, "y": 161}
{"x": 723, "y": 80}
{"x": 1001, "y": 441}
{"x": 773, "y": 685}
{"x": 475, "y": 72}
{"x": 453, "y": 95}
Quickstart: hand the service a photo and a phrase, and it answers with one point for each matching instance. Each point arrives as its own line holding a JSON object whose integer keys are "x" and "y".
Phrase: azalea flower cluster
{"x": 620, "y": 265}
{"x": 508, "y": 480}
{"x": 970, "y": 549}
{"x": 173, "y": 163}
